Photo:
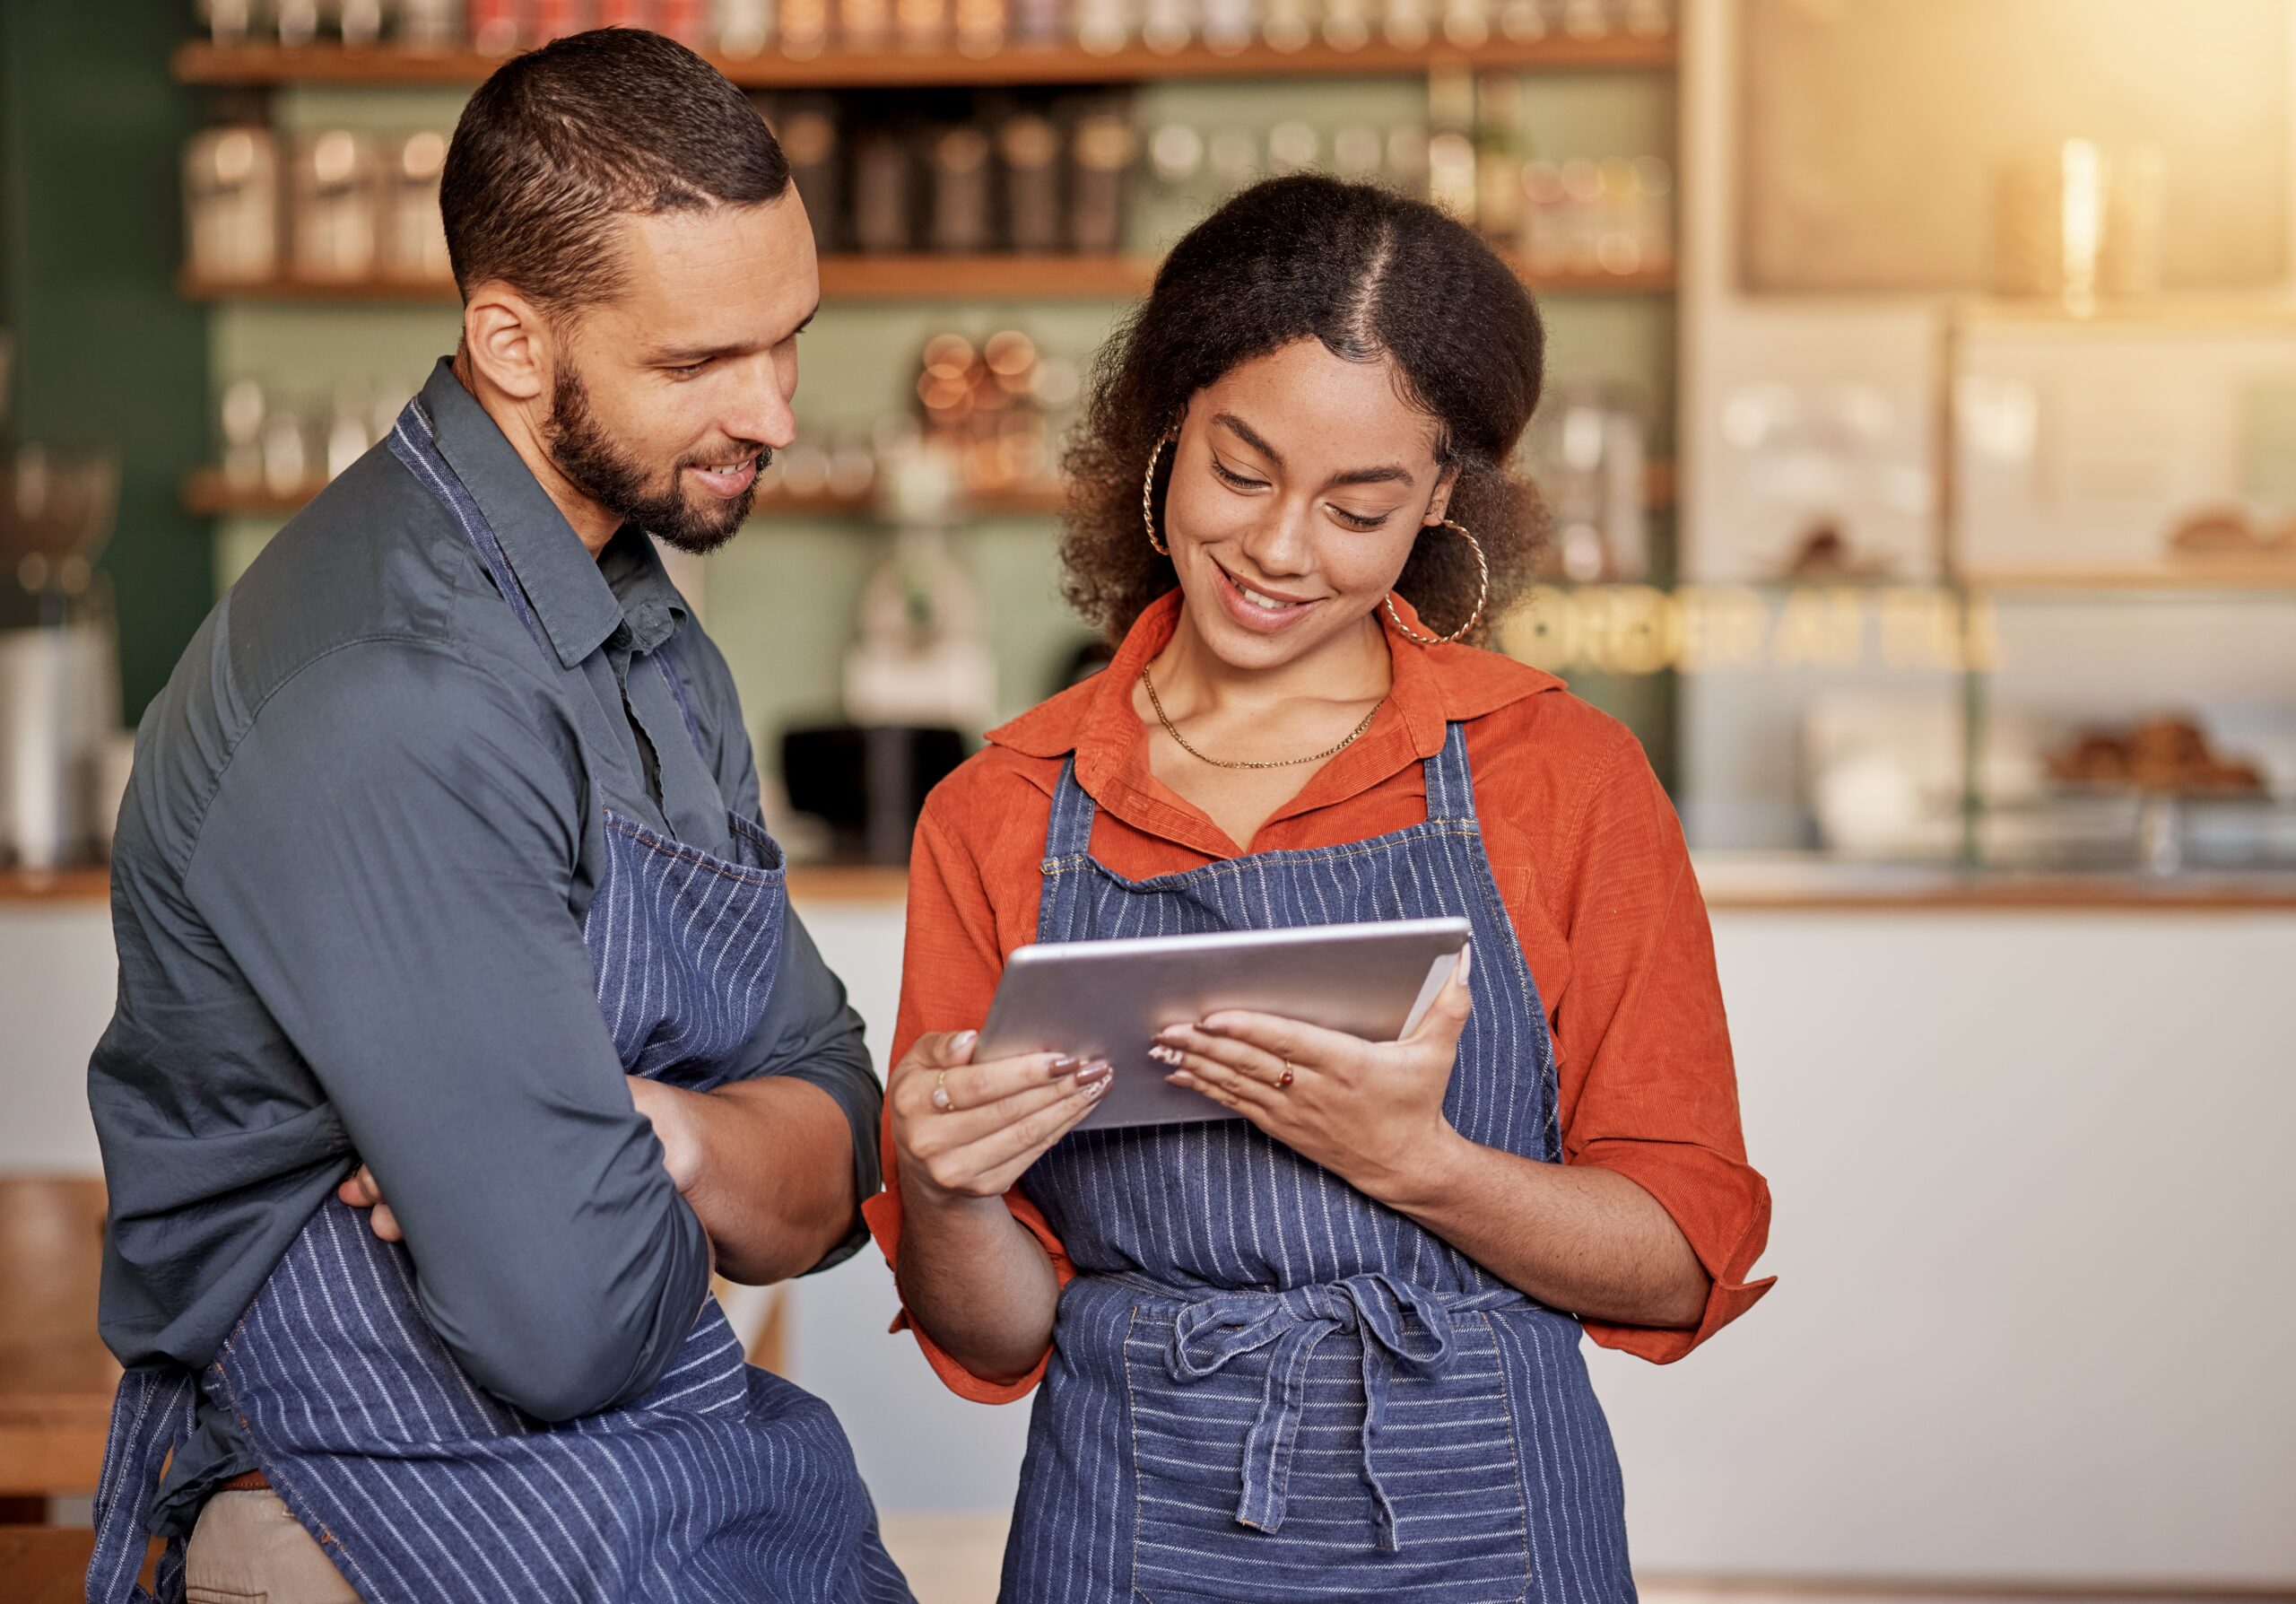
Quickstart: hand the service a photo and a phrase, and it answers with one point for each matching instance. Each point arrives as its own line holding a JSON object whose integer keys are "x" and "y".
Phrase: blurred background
{"x": 1921, "y": 440}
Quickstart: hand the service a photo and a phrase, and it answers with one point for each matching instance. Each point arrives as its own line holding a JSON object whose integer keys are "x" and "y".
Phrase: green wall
{"x": 93, "y": 240}
{"x": 90, "y": 132}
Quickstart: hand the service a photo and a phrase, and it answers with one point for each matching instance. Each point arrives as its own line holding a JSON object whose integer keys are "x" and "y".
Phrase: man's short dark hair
{"x": 561, "y": 141}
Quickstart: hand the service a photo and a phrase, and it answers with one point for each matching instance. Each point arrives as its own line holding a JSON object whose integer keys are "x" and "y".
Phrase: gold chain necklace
{"x": 1173, "y": 730}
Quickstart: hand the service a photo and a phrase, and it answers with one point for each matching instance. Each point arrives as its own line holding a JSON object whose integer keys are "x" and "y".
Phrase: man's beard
{"x": 597, "y": 468}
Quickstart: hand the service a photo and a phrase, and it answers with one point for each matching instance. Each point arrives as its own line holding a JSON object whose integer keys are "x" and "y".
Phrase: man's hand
{"x": 363, "y": 1192}
{"x": 674, "y": 1112}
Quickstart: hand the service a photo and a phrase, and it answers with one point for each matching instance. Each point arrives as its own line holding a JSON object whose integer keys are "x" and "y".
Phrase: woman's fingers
{"x": 983, "y": 1086}
{"x": 941, "y": 1131}
{"x": 1019, "y": 1143}
{"x": 980, "y": 1152}
{"x": 1281, "y": 1038}
{"x": 1246, "y": 1089}
{"x": 1179, "y": 1044}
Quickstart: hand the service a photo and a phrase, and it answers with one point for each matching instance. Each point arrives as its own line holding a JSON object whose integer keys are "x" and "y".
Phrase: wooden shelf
{"x": 889, "y": 278}
{"x": 209, "y": 495}
{"x": 200, "y": 62}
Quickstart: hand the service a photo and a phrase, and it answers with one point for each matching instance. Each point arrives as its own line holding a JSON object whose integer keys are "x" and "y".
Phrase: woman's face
{"x": 1299, "y": 483}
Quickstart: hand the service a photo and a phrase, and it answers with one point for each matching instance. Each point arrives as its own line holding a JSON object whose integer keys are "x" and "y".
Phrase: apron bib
{"x": 724, "y": 1482}
{"x": 1264, "y": 1386}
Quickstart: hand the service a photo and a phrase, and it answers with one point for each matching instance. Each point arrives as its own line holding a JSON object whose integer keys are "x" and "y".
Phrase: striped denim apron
{"x": 723, "y": 1483}
{"x": 1264, "y": 1386}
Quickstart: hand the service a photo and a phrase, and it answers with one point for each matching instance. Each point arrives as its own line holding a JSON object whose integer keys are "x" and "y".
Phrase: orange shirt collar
{"x": 1433, "y": 686}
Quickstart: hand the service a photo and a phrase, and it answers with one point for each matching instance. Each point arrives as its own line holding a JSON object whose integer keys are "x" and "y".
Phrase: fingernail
{"x": 964, "y": 1040}
{"x": 1163, "y": 1054}
{"x": 1171, "y": 1033}
{"x": 1093, "y": 1088}
{"x": 1466, "y": 959}
{"x": 1209, "y": 1029}
{"x": 1098, "y": 1070}
{"x": 1181, "y": 1078}
{"x": 1066, "y": 1064}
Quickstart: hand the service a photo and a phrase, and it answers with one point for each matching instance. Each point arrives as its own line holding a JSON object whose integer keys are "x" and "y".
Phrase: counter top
{"x": 1772, "y": 881}
{"x": 1757, "y": 881}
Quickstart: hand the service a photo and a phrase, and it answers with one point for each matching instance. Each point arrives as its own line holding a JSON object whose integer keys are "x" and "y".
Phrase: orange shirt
{"x": 1589, "y": 861}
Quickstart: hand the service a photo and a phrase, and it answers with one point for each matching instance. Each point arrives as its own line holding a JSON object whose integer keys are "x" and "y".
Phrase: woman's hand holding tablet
{"x": 1371, "y": 1112}
{"x": 968, "y": 1129}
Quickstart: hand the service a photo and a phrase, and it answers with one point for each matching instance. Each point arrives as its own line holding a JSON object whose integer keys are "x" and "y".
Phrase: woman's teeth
{"x": 1258, "y": 599}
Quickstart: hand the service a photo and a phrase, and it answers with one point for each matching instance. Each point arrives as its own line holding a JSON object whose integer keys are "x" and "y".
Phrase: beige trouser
{"x": 249, "y": 1549}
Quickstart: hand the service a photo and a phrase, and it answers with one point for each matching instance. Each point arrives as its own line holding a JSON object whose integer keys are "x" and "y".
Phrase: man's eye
{"x": 687, "y": 372}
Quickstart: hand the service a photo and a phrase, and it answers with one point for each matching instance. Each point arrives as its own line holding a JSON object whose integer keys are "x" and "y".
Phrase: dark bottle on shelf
{"x": 1030, "y": 147}
{"x": 882, "y": 192}
{"x": 962, "y": 161}
{"x": 1101, "y": 151}
{"x": 806, "y": 126}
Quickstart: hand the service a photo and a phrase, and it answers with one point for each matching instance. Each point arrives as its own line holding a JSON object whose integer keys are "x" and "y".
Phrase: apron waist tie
{"x": 1399, "y": 1326}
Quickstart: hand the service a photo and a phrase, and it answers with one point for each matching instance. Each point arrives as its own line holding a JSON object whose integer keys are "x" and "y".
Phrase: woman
{"x": 1331, "y": 1349}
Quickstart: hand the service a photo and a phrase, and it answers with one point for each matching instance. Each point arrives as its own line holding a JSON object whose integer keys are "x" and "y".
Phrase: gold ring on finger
{"x": 1284, "y": 1079}
{"x": 941, "y": 1091}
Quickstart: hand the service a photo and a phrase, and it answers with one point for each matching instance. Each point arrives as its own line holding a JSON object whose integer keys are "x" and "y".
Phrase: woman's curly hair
{"x": 1370, "y": 274}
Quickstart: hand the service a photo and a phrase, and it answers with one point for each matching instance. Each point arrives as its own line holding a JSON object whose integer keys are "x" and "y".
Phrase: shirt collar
{"x": 579, "y": 600}
{"x": 1432, "y": 687}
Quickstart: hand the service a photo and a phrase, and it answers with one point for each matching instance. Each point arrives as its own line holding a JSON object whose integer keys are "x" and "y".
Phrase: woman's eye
{"x": 1357, "y": 520}
{"x": 1228, "y": 475}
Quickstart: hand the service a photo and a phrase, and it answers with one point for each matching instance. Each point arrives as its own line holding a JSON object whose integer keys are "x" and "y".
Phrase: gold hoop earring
{"x": 1481, "y": 595}
{"x": 1148, "y": 495}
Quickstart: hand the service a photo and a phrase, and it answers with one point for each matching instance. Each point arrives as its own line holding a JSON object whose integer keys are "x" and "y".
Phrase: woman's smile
{"x": 1264, "y": 612}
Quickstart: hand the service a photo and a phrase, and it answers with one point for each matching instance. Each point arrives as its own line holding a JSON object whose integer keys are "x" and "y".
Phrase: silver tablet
{"x": 1108, "y": 999}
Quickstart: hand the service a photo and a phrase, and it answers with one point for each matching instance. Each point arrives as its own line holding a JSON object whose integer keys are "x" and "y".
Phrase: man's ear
{"x": 512, "y": 344}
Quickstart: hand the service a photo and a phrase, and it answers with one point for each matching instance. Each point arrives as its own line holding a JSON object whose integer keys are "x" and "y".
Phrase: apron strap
{"x": 1069, "y": 832}
{"x": 151, "y": 1418}
{"x": 1067, "y": 851}
{"x": 1450, "y": 787}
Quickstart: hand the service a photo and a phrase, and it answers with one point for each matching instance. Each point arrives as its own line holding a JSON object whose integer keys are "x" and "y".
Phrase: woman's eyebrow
{"x": 1391, "y": 473}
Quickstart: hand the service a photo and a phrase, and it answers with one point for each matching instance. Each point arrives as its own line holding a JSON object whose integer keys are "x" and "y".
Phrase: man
{"x": 440, "y": 882}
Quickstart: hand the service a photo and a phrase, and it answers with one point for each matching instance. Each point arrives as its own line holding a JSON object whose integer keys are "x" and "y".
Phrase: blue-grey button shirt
{"x": 365, "y": 821}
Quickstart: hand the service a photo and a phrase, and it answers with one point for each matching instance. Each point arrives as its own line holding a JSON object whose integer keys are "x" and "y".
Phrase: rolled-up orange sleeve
{"x": 1650, "y": 1088}
{"x": 950, "y": 968}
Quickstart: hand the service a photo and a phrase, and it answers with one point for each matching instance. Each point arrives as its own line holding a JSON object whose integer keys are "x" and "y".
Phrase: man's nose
{"x": 763, "y": 412}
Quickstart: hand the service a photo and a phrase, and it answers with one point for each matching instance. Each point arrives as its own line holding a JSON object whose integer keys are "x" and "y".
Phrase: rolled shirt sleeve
{"x": 1659, "y": 1100}
{"x": 387, "y": 861}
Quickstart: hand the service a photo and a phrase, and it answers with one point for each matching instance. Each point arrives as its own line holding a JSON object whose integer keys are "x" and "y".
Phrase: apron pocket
{"x": 1446, "y": 1455}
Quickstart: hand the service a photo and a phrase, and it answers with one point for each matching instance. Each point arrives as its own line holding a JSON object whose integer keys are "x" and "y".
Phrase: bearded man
{"x": 463, "y": 1025}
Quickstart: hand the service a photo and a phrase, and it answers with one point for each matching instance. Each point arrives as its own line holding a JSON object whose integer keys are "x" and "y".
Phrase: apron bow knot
{"x": 1400, "y": 1326}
